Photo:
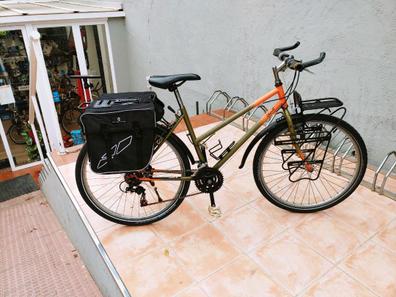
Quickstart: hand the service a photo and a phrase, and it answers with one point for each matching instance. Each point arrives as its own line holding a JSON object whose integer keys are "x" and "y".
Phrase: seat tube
{"x": 189, "y": 126}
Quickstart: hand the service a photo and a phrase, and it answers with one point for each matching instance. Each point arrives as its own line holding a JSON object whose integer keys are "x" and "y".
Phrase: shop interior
{"x": 70, "y": 93}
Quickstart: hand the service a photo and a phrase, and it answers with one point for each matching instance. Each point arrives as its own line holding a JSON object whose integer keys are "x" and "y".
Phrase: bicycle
{"x": 295, "y": 165}
{"x": 18, "y": 126}
{"x": 71, "y": 108}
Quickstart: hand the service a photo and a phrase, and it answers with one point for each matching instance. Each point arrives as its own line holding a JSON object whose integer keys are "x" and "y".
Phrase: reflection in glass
{"x": 14, "y": 95}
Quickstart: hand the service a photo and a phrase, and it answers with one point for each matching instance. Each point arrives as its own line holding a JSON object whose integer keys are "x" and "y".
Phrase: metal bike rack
{"x": 215, "y": 96}
{"x": 248, "y": 116}
{"x": 343, "y": 157}
{"x": 336, "y": 153}
{"x": 381, "y": 190}
{"x": 230, "y": 104}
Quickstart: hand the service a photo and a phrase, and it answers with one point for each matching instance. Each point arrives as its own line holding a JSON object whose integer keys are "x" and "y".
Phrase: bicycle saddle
{"x": 168, "y": 81}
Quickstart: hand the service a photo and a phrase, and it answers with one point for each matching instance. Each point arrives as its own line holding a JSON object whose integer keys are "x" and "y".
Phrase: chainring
{"x": 209, "y": 180}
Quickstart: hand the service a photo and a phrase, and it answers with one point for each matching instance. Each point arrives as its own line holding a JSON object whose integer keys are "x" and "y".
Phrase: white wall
{"x": 230, "y": 43}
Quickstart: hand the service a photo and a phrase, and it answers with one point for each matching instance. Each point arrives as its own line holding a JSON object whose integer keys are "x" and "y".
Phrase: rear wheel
{"x": 286, "y": 181}
{"x": 108, "y": 194}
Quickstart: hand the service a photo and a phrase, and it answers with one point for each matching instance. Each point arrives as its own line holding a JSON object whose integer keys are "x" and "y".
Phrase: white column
{"x": 44, "y": 92}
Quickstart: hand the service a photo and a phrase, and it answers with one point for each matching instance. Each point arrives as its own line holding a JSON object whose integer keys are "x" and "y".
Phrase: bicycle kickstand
{"x": 213, "y": 210}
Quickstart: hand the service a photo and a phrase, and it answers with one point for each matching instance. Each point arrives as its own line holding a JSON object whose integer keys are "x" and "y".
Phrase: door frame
{"x": 3, "y": 133}
{"x": 75, "y": 25}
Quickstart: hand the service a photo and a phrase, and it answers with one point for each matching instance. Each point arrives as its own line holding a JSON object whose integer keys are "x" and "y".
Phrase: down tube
{"x": 240, "y": 142}
{"x": 249, "y": 133}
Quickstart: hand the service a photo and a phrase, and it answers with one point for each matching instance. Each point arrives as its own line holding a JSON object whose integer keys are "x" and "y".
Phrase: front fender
{"x": 263, "y": 133}
{"x": 256, "y": 139}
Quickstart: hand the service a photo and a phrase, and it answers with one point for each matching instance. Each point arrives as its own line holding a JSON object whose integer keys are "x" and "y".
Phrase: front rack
{"x": 310, "y": 140}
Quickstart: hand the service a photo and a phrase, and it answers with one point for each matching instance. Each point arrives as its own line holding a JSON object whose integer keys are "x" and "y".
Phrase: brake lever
{"x": 309, "y": 71}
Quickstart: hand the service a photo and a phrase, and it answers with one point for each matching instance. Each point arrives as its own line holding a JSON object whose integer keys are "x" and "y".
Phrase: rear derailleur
{"x": 132, "y": 184}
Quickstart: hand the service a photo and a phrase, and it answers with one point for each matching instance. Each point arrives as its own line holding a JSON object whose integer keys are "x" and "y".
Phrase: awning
{"x": 30, "y": 11}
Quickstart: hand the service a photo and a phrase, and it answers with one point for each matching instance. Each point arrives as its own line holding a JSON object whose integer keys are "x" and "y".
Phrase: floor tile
{"x": 247, "y": 227}
{"x": 156, "y": 273}
{"x": 194, "y": 291}
{"x": 226, "y": 199}
{"x": 279, "y": 215}
{"x": 243, "y": 185}
{"x": 387, "y": 237}
{"x": 124, "y": 242}
{"x": 375, "y": 267}
{"x": 365, "y": 217}
{"x": 97, "y": 222}
{"x": 328, "y": 236}
{"x": 337, "y": 283}
{"x": 203, "y": 251}
{"x": 242, "y": 278}
{"x": 290, "y": 263}
{"x": 183, "y": 220}
{"x": 365, "y": 195}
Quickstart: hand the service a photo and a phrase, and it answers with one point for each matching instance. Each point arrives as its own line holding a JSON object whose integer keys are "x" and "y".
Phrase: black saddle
{"x": 171, "y": 81}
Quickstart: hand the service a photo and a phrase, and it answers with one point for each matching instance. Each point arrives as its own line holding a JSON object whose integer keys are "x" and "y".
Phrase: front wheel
{"x": 108, "y": 194}
{"x": 333, "y": 163}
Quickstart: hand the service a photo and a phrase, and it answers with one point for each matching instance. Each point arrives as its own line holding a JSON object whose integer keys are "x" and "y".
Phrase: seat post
{"x": 189, "y": 126}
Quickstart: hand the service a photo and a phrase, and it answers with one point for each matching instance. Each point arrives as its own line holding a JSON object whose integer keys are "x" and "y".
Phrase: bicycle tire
{"x": 173, "y": 205}
{"x": 15, "y": 134}
{"x": 282, "y": 126}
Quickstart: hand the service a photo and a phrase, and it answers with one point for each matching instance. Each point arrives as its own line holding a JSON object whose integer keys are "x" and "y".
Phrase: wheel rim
{"x": 328, "y": 187}
{"x": 104, "y": 191}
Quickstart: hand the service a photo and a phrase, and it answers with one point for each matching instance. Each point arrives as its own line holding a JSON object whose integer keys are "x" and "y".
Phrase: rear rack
{"x": 319, "y": 103}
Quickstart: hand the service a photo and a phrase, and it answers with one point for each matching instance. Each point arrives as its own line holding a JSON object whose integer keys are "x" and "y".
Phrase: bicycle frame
{"x": 198, "y": 141}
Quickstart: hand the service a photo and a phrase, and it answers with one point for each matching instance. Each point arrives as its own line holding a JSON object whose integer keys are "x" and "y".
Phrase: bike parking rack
{"x": 248, "y": 116}
{"x": 343, "y": 157}
{"x": 230, "y": 104}
{"x": 215, "y": 96}
{"x": 336, "y": 153}
{"x": 386, "y": 176}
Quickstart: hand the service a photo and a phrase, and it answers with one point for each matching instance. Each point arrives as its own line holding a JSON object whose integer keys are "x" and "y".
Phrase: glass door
{"x": 18, "y": 142}
{"x": 69, "y": 51}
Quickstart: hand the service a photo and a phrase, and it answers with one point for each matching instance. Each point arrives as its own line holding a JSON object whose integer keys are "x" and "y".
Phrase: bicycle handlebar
{"x": 296, "y": 64}
{"x": 314, "y": 61}
{"x": 279, "y": 50}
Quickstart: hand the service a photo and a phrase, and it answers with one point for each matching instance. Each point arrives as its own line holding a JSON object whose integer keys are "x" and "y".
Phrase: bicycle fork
{"x": 293, "y": 137}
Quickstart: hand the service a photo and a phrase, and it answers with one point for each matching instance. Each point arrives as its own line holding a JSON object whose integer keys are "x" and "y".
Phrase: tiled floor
{"x": 36, "y": 256}
{"x": 255, "y": 248}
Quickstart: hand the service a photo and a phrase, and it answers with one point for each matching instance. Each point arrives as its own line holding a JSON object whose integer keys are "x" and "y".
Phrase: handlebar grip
{"x": 278, "y": 50}
{"x": 313, "y": 62}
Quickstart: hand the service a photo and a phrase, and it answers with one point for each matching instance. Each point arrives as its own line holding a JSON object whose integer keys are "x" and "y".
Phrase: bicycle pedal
{"x": 214, "y": 211}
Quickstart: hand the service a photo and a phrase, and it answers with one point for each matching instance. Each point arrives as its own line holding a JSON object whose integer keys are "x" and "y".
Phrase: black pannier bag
{"x": 159, "y": 106}
{"x": 119, "y": 130}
